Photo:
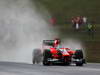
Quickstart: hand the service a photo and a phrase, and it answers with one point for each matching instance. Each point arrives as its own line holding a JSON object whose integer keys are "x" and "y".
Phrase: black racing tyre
{"x": 36, "y": 56}
{"x": 78, "y": 54}
{"x": 79, "y": 63}
{"x": 46, "y": 56}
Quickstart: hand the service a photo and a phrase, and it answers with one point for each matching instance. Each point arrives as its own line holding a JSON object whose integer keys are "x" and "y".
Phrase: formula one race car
{"x": 53, "y": 53}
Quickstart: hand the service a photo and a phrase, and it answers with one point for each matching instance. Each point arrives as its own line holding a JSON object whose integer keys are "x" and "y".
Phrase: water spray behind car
{"x": 22, "y": 28}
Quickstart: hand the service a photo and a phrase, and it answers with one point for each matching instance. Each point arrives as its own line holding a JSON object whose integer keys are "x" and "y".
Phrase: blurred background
{"x": 25, "y": 23}
{"x": 62, "y": 11}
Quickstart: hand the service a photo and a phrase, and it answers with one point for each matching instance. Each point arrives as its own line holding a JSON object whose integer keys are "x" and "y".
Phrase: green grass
{"x": 63, "y": 10}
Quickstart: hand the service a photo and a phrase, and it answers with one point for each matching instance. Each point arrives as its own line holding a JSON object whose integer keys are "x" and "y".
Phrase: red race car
{"x": 53, "y": 53}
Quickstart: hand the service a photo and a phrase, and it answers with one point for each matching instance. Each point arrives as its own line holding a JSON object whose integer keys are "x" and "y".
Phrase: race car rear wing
{"x": 48, "y": 42}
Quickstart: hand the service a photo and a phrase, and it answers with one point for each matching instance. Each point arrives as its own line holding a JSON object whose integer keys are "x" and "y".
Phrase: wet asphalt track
{"x": 8, "y": 68}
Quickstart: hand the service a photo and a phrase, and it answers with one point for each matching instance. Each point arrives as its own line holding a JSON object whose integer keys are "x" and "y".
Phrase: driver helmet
{"x": 57, "y": 41}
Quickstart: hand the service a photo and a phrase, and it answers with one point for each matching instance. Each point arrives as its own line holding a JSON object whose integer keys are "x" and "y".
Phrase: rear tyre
{"x": 79, "y": 57}
{"x": 36, "y": 56}
{"x": 46, "y": 56}
{"x": 79, "y": 63}
{"x": 78, "y": 54}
